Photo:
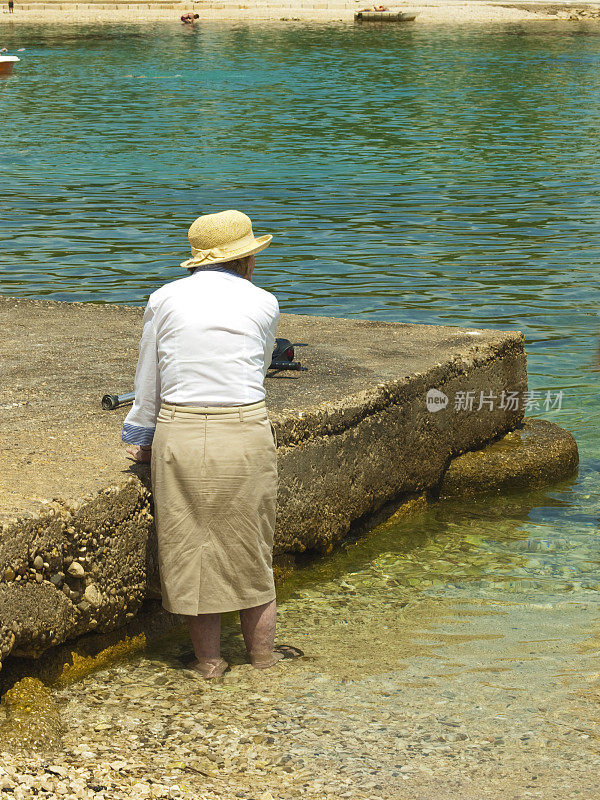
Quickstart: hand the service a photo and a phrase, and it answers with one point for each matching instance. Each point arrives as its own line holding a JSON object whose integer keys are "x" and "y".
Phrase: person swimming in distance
{"x": 189, "y": 18}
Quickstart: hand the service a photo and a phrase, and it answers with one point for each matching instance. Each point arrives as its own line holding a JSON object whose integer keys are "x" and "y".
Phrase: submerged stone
{"x": 29, "y": 718}
{"x": 537, "y": 453}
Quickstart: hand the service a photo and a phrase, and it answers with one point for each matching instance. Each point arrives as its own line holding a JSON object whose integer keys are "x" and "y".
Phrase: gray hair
{"x": 239, "y": 265}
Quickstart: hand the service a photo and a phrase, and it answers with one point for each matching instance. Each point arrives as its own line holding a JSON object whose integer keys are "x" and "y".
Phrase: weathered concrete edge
{"x": 331, "y": 418}
{"x": 329, "y": 481}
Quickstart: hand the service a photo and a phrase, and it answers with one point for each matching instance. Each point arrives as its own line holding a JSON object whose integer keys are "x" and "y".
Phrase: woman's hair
{"x": 239, "y": 265}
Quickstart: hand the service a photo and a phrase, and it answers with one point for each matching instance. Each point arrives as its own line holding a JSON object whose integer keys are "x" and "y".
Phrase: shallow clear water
{"x": 446, "y": 175}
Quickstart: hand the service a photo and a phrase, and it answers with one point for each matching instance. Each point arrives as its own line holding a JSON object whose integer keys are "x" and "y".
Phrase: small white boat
{"x": 6, "y": 65}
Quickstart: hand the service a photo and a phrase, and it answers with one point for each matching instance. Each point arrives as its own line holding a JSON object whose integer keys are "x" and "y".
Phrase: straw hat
{"x": 215, "y": 238}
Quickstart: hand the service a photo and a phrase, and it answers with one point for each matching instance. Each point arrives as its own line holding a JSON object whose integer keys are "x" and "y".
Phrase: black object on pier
{"x": 282, "y": 358}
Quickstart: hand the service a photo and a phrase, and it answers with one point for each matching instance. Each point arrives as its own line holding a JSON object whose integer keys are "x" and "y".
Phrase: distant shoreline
{"x": 459, "y": 13}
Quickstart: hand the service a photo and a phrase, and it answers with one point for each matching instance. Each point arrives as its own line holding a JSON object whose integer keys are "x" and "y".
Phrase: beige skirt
{"x": 214, "y": 480}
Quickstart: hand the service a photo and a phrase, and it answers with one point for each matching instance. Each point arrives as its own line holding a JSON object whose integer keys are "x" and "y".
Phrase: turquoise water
{"x": 445, "y": 175}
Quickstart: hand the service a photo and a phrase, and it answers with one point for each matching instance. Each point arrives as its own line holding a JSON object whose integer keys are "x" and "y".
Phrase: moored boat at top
{"x": 6, "y": 64}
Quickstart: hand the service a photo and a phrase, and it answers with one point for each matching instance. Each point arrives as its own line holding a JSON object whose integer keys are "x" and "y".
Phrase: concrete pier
{"x": 77, "y": 543}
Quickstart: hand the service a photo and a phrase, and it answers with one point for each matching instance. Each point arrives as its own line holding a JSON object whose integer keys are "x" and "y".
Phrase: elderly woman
{"x": 200, "y": 418}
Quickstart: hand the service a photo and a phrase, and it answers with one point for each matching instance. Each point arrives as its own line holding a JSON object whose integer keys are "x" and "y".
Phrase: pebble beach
{"x": 398, "y": 696}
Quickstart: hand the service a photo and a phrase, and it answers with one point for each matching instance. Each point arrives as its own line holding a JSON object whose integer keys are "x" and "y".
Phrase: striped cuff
{"x": 136, "y": 434}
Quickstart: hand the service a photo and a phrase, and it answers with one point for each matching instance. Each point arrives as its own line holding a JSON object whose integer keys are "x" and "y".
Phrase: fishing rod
{"x": 282, "y": 358}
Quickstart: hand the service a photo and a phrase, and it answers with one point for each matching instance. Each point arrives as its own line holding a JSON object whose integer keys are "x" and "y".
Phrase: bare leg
{"x": 205, "y": 633}
{"x": 258, "y": 627}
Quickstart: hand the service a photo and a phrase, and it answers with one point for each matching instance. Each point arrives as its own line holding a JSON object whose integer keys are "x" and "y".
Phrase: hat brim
{"x": 260, "y": 242}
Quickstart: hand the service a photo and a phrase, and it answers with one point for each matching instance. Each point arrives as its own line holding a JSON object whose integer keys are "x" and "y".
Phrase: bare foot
{"x": 210, "y": 667}
{"x": 269, "y": 659}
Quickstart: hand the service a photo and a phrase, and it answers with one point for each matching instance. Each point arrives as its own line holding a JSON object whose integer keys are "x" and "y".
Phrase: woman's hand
{"x": 140, "y": 453}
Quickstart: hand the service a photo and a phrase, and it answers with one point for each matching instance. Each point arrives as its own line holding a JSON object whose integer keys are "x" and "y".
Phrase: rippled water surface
{"x": 446, "y": 175}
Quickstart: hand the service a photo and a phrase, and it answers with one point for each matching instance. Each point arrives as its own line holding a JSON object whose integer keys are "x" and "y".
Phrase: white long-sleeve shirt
{"x": 207, "y": 340}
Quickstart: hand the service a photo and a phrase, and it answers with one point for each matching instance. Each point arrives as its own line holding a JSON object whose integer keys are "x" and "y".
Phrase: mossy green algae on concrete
{"x": 29, "y": 718}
